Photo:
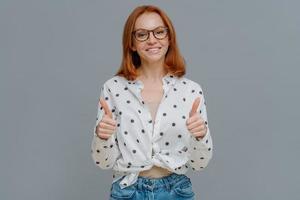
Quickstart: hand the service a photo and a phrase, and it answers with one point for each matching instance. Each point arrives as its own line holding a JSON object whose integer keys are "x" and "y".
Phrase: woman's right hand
{"x": 107, "y": 126}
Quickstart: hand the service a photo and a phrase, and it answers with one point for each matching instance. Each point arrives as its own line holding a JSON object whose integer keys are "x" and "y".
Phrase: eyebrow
{"x": 151, "y": 29}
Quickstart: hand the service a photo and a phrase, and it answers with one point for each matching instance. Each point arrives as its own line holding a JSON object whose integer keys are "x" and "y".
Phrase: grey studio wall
{"x": 55, "y": 55}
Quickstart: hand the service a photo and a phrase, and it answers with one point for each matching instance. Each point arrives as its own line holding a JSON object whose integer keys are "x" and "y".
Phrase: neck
{"x": 151, "y": 71}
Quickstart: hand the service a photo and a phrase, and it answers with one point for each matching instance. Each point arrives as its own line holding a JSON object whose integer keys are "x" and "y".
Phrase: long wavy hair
{"x": 174, "y": 62}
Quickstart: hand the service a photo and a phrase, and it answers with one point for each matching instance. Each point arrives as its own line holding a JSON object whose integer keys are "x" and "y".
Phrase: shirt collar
{"x": 169, "y": 79}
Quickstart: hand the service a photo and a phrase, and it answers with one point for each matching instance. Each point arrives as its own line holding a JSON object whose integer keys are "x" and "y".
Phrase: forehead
{"x": 148, "y": 21}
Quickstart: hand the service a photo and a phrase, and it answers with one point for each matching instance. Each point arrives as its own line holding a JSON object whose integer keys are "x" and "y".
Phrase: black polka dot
{"x": 161, "y": 133}
{"x": 97, "y": 162}
{"x": 128, "y": 101}
{"x": 183, "y": 117}
{"x": 139, "y": 111}
{"x": 174, "y": 106}
{"x": 179, "y": 136}
{"x": 167, "y": 143}
{"x": 106, "y": 98}
{"x": 183, "y": 99}
{"x": 117, "y": 95}
{"x": 133, "y": 151}
{"x": 164, "y": 114}
{"x": 174, "y": 89}
{"x": 125, "y": 132}
{"x": 202, "y": 158}
{"x": 193, "y": 91}
{"x": 173, "y": 124}
{"x": 98, "y": 151}
{"x": 143, "y": 131}
{"x": 137, "y": 141}
{"x": 126, "y": 88}
{"x": 131, "y": 120}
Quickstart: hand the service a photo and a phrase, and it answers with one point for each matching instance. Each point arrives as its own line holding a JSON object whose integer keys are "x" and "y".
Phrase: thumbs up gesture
{"x": 107, "y": 126}
{"x": 195, "y": 123}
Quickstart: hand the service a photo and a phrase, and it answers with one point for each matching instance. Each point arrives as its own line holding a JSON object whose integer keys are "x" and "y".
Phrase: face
{"x": 151, "y": 50}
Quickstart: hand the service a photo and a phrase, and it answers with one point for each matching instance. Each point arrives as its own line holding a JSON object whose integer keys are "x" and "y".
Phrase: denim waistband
{"x": 155, "y": 183}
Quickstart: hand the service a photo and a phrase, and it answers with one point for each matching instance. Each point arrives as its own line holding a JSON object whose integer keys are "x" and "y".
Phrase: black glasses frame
{"x": 148, "y": 33}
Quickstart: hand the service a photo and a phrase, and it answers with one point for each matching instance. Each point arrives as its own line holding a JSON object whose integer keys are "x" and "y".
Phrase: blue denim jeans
{"x": 174, "y": 186}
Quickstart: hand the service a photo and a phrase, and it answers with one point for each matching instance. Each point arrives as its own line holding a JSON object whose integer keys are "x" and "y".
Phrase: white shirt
{"x": 139, "y": 142}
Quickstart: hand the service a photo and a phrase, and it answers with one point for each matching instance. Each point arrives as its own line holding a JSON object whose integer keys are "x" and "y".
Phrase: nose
{"x": 151, "y": 38}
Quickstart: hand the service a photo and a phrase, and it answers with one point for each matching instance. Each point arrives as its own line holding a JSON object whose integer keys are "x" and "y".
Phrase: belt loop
{"x": 139, "y": 184}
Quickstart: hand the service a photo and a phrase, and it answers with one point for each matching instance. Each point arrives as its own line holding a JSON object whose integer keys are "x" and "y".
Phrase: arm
{"x": 201, "y": 148}
{"x": 104, "y": 152}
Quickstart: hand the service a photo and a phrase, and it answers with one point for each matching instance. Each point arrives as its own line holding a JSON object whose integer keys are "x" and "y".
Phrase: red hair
{"x": 174, "y": 62}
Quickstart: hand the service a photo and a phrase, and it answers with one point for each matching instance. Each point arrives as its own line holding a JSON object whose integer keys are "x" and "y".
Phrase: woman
{"x": 152, "y": 122}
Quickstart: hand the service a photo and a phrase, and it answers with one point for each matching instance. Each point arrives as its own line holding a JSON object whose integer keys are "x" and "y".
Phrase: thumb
{"x": 195, "y": 106}
{"x": 105, "y": 107}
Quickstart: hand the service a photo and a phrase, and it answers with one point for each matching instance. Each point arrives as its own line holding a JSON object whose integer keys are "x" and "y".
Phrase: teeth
{"x": 153, "y": 49}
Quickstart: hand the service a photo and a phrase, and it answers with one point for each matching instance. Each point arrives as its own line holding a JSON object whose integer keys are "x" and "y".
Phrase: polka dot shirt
{"x": 139, "y": 142}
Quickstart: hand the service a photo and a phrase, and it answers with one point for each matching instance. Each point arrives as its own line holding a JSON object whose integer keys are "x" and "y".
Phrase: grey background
{"x": 55, "y": 55}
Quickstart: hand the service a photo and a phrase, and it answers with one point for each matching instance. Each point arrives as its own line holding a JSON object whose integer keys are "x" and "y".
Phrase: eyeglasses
{"x": 143, "y": 34}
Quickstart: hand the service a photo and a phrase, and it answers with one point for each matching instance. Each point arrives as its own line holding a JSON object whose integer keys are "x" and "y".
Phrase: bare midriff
{"x": 155, "y": 172}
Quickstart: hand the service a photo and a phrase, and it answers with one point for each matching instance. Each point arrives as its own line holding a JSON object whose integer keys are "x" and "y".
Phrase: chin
{"x": 154, "y": 57}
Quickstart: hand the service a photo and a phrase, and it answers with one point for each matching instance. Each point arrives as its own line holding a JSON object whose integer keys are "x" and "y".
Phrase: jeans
{"x": 174, "y": 186}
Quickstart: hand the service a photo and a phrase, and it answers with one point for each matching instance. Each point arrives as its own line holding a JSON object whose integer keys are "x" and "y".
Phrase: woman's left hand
{"x": 195, "y": 123}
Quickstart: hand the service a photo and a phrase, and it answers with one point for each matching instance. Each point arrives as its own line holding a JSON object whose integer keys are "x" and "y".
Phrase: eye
{"x": 160, "y": 31}
{"x": 141, "y": 34}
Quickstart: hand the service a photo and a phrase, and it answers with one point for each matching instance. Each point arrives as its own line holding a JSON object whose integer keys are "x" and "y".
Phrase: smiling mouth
{"x": 153, "y": 49}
